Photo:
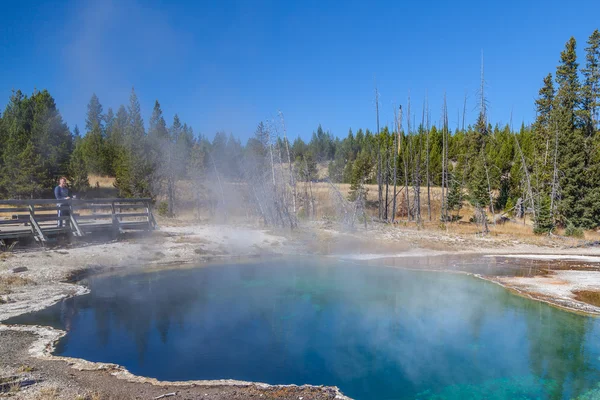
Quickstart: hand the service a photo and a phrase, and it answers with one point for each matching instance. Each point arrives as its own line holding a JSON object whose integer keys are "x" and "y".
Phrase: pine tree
{"x": 543, "y": 220}
{"x": 185, "y": 142}
{"x": 544, "y": 137}
{"x": 161, "y": 157}
{"x": 233, "y": 152}
{"x": 78, "y": 171}
{"x": 361, "y": 172}
{"x": 572, "y": 154}
{"x": 93, "y": 149}
{"x": 110, "y": 151}
{"x": 115, "y": 134}
{"x": 590, "y": 96}
{"x": 134, "y": 170}
{"x": 196, "y": 172}
{"x": 36, "y": 145}
{"x": 478, "y": 188}
{"x": 590, "y": 112}
{"x": 94, "y": 114}
{"x": 29, "y": 177}
{"x": 455, "y": 194}
{"x": 51, "y": 137}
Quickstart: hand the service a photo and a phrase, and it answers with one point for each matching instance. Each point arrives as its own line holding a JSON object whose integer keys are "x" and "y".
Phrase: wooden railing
{"x": 43, "y": 218}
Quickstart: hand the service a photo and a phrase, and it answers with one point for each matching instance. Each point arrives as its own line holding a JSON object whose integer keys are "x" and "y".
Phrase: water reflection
{"x": 378, "y": 333}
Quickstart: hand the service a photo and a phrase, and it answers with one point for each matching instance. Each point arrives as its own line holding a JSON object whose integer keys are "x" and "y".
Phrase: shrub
{"x": 574, "y": 231}
{"x": 163, "y": 209}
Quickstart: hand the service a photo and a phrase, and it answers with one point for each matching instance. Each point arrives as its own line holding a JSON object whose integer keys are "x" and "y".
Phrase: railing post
{"x": 35, "y": 226}
{"x": 115, "y": 221}
{"x": 73, "y": 221}
{"x": 145, "y": 203}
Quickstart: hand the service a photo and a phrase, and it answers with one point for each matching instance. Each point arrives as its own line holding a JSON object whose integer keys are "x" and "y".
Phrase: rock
{"x": 19, "y": 269}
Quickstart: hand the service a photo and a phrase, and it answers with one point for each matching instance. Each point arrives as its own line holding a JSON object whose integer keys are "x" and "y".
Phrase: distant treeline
{"x": 550, "y": 169}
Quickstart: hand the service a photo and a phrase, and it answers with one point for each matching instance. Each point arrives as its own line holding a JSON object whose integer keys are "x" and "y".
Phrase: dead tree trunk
{"x": 291, "y": 165}
{"x": 528, "y": 181}
{"x": 218, "y": 180}
{"x": 417, "y": 179}
{"x": 387, "y": 185}
{"x": 396, "y": 152}
{"x": 405, "y": 160}
{"x": 487, "y": 175}
{"x": 427, "y": 155}
{"x": 554, "y": 195}
{"x": 444, "y": 210}
{"x": 379, "y": 161}
{"x": 379, "y": 183}
{"x": 464, "y": 111}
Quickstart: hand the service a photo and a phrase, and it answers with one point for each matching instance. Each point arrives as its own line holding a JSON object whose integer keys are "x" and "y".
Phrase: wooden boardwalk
{"x": 39, "y": 219}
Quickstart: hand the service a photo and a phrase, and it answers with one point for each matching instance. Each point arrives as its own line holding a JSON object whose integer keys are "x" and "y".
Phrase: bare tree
{"x": 379, "y": 160}
{"x": 396, "y": 153}
{"x": 427, "y": 161}
{"x": 444, "y": 210}
{"x": 406, "y": 157}
{"x": 464, "y": 112}
{"x": 526, "y": 171}
{"x": 483, "y": 127}
{"x": 487, "y": 175}
{"x": 290, "y": 163}
{"x": 554, "y": 195}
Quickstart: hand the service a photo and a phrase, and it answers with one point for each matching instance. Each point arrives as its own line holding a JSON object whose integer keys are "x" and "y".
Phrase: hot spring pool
{"x": 376, "y": 332}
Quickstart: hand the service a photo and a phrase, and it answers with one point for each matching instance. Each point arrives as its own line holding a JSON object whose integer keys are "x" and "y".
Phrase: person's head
{"x": 62, "y": 182}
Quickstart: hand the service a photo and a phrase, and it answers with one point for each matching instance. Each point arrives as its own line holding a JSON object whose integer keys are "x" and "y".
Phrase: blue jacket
{"x": 61, "y": 193}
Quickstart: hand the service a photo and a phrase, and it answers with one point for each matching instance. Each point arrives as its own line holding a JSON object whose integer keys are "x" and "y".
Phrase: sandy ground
{"x": 46, "y": 275}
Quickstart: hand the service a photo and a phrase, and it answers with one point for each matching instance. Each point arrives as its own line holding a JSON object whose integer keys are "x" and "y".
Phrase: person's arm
{"x": 57, "y": 193}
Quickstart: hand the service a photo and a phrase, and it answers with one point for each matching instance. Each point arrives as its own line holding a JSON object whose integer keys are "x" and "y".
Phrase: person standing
{"x": 61, "y": 192}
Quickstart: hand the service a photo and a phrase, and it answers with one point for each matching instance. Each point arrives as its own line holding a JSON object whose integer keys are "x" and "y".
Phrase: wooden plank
{"x": 137, "y": 225}
{"x": 89, "y": 206}
{"x": 40, "y": 218}
{"x": 154, "y": 223}
{"x": 15, "y": 234}
{"x": 32, "y": 202}
{"x": 14, "y": 210}
{"x": 125, "y": 215}
{"x": 114, "y": 200}
{"x": 55, "y": 208}
{"x": 94, "y": 216}
{"x": 75, "y": 225}
{"x": 115, "y": 221}
{"x": 13, "y": 202}
{"x": 130, "y": 206}
{"x": 19, "y": 221}
{"x": 36, "y": 230}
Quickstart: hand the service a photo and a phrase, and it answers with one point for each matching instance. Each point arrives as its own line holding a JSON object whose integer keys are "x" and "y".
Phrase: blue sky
{"x": 227, "y": 65}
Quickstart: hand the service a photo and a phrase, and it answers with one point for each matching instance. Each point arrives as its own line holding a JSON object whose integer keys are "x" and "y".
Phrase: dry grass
{"x": 48, "y": 393}
{"x": 14, "y": 387}
{"x": 23, "y": 369}
{"x": 102, "y": 182}
{"x": 588, "y": 296}
{"x": 9, "y": 282}
{"x": 89, "y": 396}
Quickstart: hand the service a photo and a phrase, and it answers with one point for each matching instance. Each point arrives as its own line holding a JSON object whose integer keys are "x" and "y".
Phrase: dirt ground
{"x": 46, "y": 276}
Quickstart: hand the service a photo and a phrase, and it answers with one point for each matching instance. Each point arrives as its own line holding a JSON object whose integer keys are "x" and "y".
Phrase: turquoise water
{"x": 375, "y": 332}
